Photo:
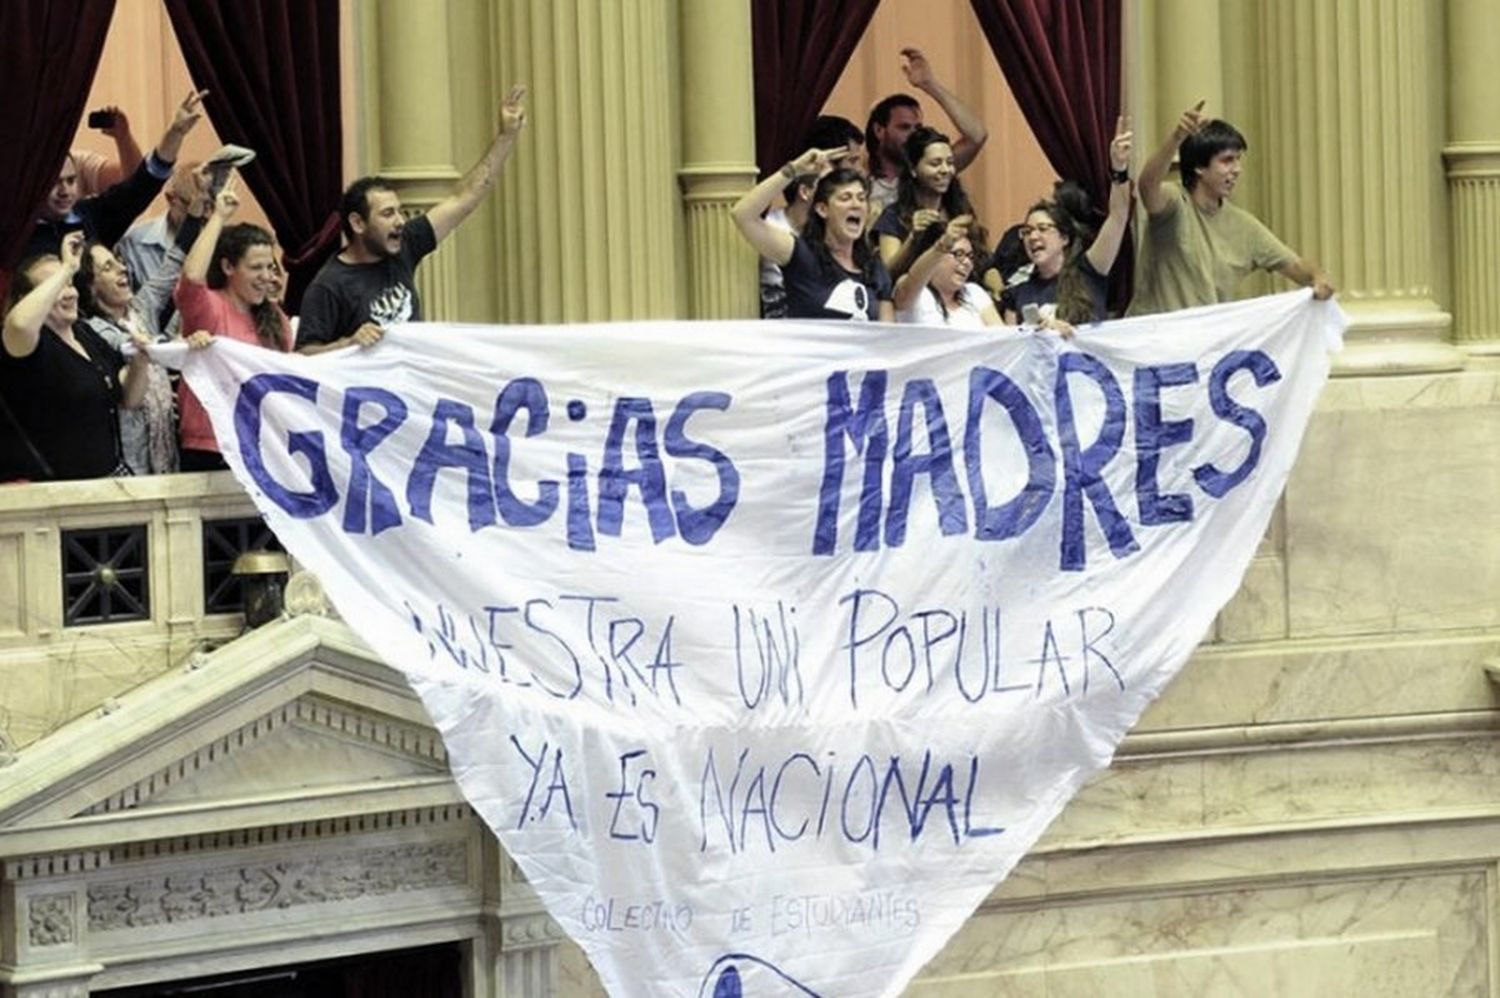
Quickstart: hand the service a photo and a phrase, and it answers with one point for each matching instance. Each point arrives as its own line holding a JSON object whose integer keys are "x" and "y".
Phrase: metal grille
{"x": 223, "y": 542}
{"x": 106, "y": 576}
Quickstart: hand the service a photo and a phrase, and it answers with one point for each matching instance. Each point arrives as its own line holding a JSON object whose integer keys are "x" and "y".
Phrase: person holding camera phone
{"x": 106, "y": 216}
{"x": 96, "y": 171}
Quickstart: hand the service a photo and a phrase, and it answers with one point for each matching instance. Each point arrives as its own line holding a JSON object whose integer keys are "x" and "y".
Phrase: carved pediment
{"x": 297, "y": 712}
{"x": 302, "y": 745}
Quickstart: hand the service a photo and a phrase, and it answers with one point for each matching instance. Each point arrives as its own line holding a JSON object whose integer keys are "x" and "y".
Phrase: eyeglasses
{"x": 1028, "y": 230}
{"x": 962, "y": 255}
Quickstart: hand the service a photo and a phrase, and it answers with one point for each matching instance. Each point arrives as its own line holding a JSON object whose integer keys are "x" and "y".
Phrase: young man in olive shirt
{"x": 1198, "y": 246}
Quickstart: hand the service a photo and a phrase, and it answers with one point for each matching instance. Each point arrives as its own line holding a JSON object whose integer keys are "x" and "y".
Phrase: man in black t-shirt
{"x": 371, "y": 284}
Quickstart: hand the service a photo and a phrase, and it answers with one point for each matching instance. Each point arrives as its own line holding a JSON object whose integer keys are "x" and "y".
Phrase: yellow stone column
{"x": 590, "y": 224}
{"x": 1473, "y": 159}
{"x": 407, "y": 66}
{"x": 1187, "y": 64}
{"x": 718, "y": 156}
{"x": 1348, "y": 157}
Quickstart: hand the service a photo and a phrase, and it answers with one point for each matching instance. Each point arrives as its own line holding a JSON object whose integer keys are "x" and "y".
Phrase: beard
{"x": 377, "y": 246}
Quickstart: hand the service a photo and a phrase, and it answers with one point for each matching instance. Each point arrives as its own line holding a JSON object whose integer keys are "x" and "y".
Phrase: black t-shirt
{"x": 815, "y": 292}
{"x": 344, "y": 296}
{"x": 65, "y": 404}
{"x": 890, "y": 224}
{"x": 1041, "y": 290}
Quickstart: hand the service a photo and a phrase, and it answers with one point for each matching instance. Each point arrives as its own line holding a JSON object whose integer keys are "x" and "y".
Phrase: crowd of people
{"x": 79, "y": 394}
{"x": 876, "y": 225}
{"x": 869, "y": 224}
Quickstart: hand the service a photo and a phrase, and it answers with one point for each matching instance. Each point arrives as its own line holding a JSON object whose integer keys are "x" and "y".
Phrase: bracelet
{"x": 1120, "y": 176}
{"x": 789, "y": 171}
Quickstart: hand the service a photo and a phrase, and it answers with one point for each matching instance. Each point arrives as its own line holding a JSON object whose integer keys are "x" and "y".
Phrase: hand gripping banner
{"x": 768, "y": 649}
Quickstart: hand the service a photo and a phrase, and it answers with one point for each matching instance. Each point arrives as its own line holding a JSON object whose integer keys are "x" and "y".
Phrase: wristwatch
{"x": 1120, "y": 176}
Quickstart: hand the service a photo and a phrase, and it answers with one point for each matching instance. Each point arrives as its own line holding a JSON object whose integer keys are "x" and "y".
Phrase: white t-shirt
{"x": 969, "y": 314}
{"x": 883, "y": 191}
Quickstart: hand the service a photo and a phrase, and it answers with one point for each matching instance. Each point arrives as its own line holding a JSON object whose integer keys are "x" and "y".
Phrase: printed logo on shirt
{"x": 851, "y": 298}
{"x": 391, "y": 307}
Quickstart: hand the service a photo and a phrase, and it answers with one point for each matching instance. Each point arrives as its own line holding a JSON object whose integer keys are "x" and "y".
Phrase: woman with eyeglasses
{"x": 829, "y": 270}
{"x": 928, "y": 194}
{"x": 1070, "y": 283}
{"x": 936, "y": 291}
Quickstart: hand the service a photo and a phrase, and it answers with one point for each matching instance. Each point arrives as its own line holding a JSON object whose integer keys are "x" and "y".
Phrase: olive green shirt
{"x": 1190, "y": 257}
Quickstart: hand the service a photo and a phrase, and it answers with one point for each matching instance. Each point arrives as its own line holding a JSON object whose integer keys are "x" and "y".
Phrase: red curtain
{"x": 49, "y": 50}
{"x": 801, "y": 48}
{"x": 1062, "y": 60}
{"x": 272, "y": 70}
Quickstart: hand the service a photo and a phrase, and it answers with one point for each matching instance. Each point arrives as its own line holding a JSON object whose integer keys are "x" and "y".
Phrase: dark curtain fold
{"x": 1062, "y": 59}
{"x": 49, "y": 50}
{"x": 272, "y": 71}
{"x": 801, "y": 49}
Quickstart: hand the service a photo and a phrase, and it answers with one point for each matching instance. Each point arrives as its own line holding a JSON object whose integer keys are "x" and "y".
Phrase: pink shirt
{"x": 210, "y": 310}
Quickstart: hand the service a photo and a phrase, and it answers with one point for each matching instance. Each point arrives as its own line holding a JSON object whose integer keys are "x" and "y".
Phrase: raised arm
{"x": 449, "y": 213}
{"x": 201, "y": 256}
{"x": 769, "y": 241}
{"x": 127, "y": 150}
{"x": 24, "y": 322}
{"x": 113, "y": 210}
{"x": 910, "y": 284}
{"x": 188, "y": 114}
{"x": 897, "y": 253}
{"x": 1155, "y": 169}
{"x": 1111, "y": 235}
{"x": 971, "y": 131}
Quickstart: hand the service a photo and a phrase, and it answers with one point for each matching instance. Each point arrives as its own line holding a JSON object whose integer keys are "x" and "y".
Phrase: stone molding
{"x": 423, "y": 744}
{"x": 57, "y": 989}
{"x": 304, "y": 596}
{"x": 240, "y": 889}
{"x": 60, "y": 864}
{"x": 524, "y": 932}
{"x": 302, "y": 831}
{"x": 51, "y": 920}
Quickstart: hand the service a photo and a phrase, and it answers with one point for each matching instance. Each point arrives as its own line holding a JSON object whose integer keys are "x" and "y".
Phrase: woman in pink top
{"x": 237, "y": 263}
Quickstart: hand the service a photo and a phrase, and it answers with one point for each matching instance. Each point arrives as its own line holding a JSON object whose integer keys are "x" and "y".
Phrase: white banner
{"x": 768, "y": 649}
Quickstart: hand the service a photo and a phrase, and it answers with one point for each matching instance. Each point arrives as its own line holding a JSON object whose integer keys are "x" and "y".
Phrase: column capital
{"x": 1472, "y": 160}
{"x": 718, "y": 153}
{"x": 712, "y": 182}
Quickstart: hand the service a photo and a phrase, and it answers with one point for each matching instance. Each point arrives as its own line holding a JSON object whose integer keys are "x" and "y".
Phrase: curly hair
{"x": 233, "y": 244}
{"x": 1070, "y": 210}
{"x": 84, "y": 280}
